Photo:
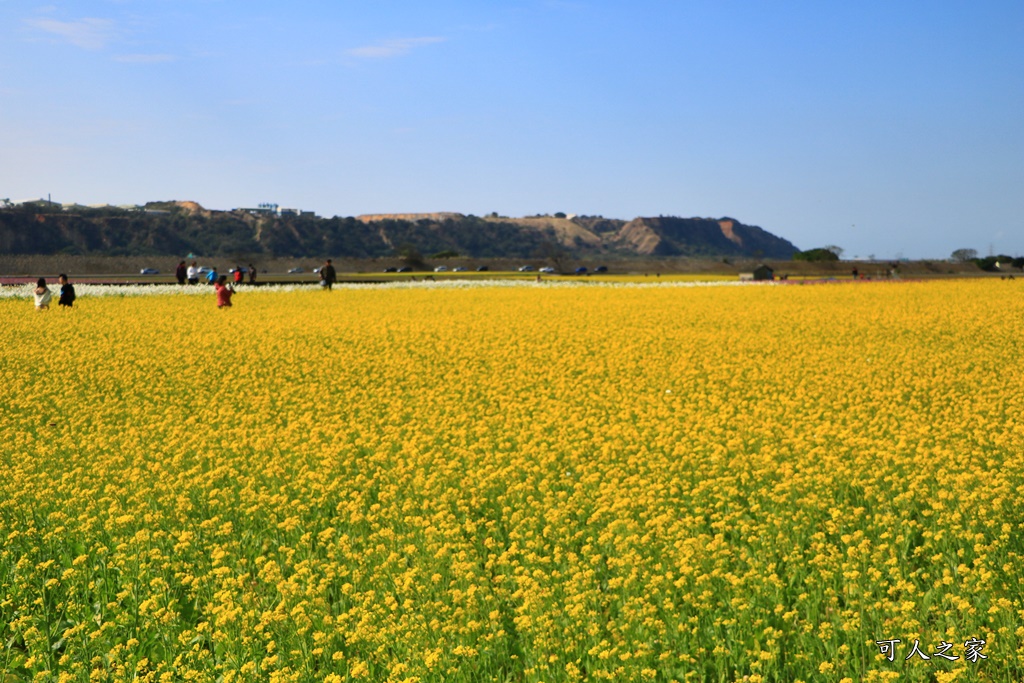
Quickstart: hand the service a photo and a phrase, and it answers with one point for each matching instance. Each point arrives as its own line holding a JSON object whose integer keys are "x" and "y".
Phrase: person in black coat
{"x": 328, "y": 275}
{"x": 67, "y": 292}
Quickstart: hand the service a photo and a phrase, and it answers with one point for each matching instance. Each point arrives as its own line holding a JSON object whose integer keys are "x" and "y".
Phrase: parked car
{"x": 601, "y": 269}
{"x": 204, "y": 270}
{"x": 243, "y": 269}
{"x": 459, "y": 269}
{"x": 293, "y": 271}
{"x": 547, "y": 269}
{"x": 405, "y": 269}
{"x": 525, "y": 269}
{"x": 482, "y": 269}
{"x": 441, "y": 269}
{"x": 149, "y": 271}
{"x": 392, "y": 269}
{"x": 582, "y": 270}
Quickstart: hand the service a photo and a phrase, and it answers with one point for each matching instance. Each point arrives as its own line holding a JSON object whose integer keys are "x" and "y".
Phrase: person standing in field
{"x": 328, "y": 274}
{"x": 67, "y": 291}
{"x": 211, "y": 277}
{"x": 224, "y": 292}
{"x": 181, "y": 273}
{"x": 193, "y": 274}
{"x": 42, "y": 294}
{"x": 252, "y": 274}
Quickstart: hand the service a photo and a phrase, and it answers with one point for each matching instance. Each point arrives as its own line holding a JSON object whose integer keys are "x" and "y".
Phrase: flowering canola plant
{"x": 514, "y": 483}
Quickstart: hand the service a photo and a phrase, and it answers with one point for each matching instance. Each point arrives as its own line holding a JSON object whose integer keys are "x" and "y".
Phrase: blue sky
{"x": 887, "y": 128}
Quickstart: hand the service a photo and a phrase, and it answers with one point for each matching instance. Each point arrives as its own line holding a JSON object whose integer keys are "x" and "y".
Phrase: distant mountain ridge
{"x": 170, "y": 228}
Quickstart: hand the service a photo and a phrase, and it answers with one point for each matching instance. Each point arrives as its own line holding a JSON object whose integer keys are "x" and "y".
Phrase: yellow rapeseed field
{"x": 524, "y": 483}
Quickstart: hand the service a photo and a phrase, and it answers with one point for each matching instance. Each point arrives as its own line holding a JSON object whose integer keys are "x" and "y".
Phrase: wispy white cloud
{"x": 144, "y": 59}
{"x": 392, "y": 48}
{"x": 87, "y": 33}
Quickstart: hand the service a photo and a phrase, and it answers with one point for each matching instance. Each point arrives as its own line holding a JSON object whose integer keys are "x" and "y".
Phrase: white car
{"x": 547, "y": 269}
{"x": 292, "y": 271}
{"x": 525, "y": 269}
{"x": 459, "y": 269}
{"x": 441, "y": 269}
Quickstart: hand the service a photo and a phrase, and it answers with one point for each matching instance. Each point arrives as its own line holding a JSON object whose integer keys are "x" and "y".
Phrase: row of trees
{"x": 988, "y": 263}
{"x": 827, "y": 253}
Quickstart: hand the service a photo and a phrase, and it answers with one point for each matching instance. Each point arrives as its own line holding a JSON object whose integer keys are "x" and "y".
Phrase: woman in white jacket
{"x": 43, "y": 295}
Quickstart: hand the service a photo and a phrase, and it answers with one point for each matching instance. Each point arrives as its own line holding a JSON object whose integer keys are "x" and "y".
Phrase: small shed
{"x": 763, "y": 272}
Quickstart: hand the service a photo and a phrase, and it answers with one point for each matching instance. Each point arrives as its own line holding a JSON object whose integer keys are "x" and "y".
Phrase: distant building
{"x": 439, "y": 216}
{"x": 763, "y": 272}
{"x": 296, "y": 212}
{"x": 39, "y": 203}
{"x": 265, "y": 209}
{"x": 275, "y": 210}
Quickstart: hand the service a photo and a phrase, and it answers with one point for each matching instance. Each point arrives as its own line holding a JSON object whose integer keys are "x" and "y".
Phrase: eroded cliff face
{"x": 670, "y": 236}
{"x": 637, "y": 236}
{"x": 660, "y": 236}
{"x": 727, "y": 230}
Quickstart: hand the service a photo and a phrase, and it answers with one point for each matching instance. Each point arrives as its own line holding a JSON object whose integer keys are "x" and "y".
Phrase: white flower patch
{"x": 89, "y": 290}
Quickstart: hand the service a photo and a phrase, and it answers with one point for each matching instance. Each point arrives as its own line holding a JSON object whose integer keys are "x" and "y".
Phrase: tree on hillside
{"x": 964, "y": 255}
{"x": 410, "y": 255}
{"x": 989, "y": 264}
{"x": 994, "y": 264}
{"x": 820, "y": 254}
{"x": 554, "y": 252}
{"x": 838, "y": 251}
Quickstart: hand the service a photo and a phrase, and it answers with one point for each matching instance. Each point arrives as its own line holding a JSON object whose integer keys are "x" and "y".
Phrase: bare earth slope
{"x": 661, "y": 236}
{"x": 670, "y": 236}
